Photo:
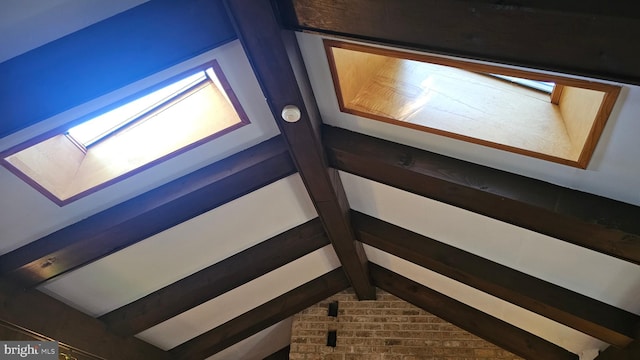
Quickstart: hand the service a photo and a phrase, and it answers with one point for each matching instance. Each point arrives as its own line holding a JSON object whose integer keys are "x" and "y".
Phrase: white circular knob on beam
{"x": 291, "y": 113}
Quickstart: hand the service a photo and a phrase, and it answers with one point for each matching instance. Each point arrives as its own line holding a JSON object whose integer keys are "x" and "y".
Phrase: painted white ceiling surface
{"x": 171, "y": 255}
{"x": 32, "y": 215}
{"x": 581, "y": 270}
{"x": 151, "y": 264}
{"x": 227, "y": 306}
{"x": 28, "y": 24}
{"x": 549, "y": 330}
{"x": 614, "y": 170}
{"x": 260, "y": 345}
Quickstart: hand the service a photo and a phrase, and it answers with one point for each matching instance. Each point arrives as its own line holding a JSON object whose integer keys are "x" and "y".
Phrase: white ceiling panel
{"x": 184, "y": 249}
{"x": 549, "y": 330}
{"x": 602, "y": 277}
{"x": 204, "y": 317}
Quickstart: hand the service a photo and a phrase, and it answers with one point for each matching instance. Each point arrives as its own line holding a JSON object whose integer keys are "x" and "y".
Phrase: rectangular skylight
{"x": 546, "y": 116}
{"x": 165, "y": 121}
{"x": 100, "y": 127}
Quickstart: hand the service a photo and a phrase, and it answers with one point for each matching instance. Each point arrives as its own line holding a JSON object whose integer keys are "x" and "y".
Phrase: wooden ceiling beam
{"x": 46, "y": 316}
{"x": 276, "y": 60}
{"x": 576, "y": 7}
{"x": 262, "y": 317}
{"x": 594, "y": 222}
{"x": 147, "y": 214}
{"x": 540, "y": 35}
{"x": 216, "y": 279}
{"x": 496, "y": 331}
{"x": 592, "y": 317}
{"x": 282, "y": 354}
{"x": 630, "y": 352}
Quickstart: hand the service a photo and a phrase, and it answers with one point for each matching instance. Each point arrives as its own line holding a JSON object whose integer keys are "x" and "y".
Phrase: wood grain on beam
{"x": 262, "y": 317}
{"x": 592, "y": 317}
{"x": 41, "y": 314}
{"x": 530, "y": 34}
{"x": 474, "y": 321}
{"x": 591, "y": 7}
{"x": 275, "y": 56}
{"x": 630, "y": 352}
{"x": 216, "y": 279}
{"x": 597, "y": 223}
{"x": 147, "y": 214}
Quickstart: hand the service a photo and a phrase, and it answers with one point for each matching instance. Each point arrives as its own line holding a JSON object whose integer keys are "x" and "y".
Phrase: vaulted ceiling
{"x": 208, "y": 254}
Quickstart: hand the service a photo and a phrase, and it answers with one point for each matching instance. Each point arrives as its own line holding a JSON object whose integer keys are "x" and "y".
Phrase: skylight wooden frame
{"x": 611, "y": 93}
{"x": 223, "y": 86}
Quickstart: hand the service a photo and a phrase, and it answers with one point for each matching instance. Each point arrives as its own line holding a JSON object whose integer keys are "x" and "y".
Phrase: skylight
{"x": 546, "y": 116}
{"x": 188, "y": 112}
{"x": 100, "y": 127}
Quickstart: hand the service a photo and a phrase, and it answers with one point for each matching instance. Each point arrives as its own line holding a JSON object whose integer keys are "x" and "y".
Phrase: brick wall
{"x": 386, "y": 329}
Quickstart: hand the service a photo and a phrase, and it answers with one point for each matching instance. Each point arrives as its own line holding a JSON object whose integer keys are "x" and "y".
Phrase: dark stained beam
{"x": 608, "y": 226}
{"x": 216, "y": 279}
{"x": 261, "y": 317}
{"x": 592, "y": 317}
{"x": 276, "y": 60}
{"x": 282, "y": 354}
{"x": 474, "y": 321}
{"x": 533, "y": 34}
{"x": 147, "y": 214}
{"x": 630, "y": 352}
{"x": 591, "y": 7}
{"x": 41, "y": 314}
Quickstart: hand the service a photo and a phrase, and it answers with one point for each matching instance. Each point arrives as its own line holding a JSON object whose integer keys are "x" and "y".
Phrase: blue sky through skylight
{"x": 101, "y": 126}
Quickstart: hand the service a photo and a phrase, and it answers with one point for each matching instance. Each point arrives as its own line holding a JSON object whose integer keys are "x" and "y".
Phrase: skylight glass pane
{"x": 537, "y": 85}
{"x": 99, "y": 127}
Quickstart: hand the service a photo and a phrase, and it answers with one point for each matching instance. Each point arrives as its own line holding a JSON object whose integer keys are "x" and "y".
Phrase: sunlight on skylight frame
{"x": 92, "y": 131}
